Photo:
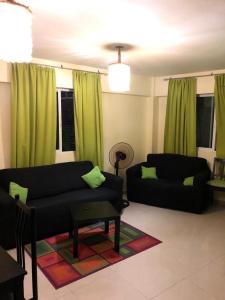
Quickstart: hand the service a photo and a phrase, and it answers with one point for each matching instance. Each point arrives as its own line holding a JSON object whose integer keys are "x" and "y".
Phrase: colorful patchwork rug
{"x": 96, "y": 251}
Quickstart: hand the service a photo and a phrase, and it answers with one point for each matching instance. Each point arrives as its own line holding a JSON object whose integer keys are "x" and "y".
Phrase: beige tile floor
{"x": 189, "y": 264}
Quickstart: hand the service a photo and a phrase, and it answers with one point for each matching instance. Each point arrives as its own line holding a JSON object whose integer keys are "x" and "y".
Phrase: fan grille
{"x": 126, "y": 149}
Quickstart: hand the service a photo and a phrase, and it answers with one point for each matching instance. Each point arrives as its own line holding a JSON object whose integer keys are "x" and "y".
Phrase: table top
{"x": 91, "y": 211}
{"x": 9, "y": 268}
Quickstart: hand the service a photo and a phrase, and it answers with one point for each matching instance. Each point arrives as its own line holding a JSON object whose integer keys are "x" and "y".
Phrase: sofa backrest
{"x": 176, "y": 166}
{"x": 47, "y": 180}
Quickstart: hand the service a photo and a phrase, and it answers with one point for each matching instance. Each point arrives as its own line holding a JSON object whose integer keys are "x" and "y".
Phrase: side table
{"x": 217, "y": 183}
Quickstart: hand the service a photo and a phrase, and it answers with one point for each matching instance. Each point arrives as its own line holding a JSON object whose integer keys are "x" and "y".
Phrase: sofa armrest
{"x": 202, "y": 177}
{"x": 134, "y": 171}
{"x": 114, "y": 182}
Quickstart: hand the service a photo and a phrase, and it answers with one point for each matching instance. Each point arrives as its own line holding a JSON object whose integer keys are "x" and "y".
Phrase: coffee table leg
{"x": 70, "y": 234}
{"x": 75, "y": 241}
{"x": 106, "y": 227}
{"x": 117, "y": 234}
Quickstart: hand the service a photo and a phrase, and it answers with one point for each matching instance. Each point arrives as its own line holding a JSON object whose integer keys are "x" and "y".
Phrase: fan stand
{"x": 119, "y": 156}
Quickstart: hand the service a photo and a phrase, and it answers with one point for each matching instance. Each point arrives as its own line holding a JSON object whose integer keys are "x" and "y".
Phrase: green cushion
{"x": 16, "y": 189}
{"x": 148, "y": 173}
{"x": 188, "y": 181}
{"x": 94, "y": 178}
{"x": 217, "y": 183}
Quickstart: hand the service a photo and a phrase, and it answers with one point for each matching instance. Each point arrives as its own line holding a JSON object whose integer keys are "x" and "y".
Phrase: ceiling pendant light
{"x": 119, "y": 75}
{"x": 15, "y": 32}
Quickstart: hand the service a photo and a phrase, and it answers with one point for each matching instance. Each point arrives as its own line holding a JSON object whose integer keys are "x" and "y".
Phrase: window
{"x": 205, "y": 121}
{"x": 65, "y": 140}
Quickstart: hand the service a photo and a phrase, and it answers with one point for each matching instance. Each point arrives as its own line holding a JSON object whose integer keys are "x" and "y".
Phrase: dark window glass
{"x": 205, "y": 117}
{"x": 67, "y": 114}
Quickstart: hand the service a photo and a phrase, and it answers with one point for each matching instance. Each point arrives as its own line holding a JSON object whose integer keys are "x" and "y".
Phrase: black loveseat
{"x": 51, "y": 190}
{"x": 168, "y": 190}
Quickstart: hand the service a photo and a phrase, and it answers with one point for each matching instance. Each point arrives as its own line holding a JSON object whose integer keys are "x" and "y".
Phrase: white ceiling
{"x": 169, "y": 36}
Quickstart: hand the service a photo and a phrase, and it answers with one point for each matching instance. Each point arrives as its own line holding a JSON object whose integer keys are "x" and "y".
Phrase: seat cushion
{"x": 161, "y": 184}
{"x": 165, "y": 193}
{"x": 163, "y": 188}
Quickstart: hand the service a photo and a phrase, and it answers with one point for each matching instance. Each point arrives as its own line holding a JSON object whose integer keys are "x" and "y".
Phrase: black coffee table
{"x": 90, "y": 212}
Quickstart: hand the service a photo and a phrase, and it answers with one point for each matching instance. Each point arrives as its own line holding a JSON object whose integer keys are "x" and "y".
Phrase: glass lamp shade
{"x": 119, "y": 77}
{"x": 15, "y": 33}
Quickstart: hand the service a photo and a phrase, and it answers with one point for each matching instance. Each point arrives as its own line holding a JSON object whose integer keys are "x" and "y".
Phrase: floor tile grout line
{"x": 125, "y": 279}
{"x": 205, "y": 292}
{"x": 168, "y": 288}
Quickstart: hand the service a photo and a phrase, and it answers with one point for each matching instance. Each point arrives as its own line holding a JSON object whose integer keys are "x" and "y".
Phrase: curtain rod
{"x": 66, "y": 68}
{"x": 206, "y": 75}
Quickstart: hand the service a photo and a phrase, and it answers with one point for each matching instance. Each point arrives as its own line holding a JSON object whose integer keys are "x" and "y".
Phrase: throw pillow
{"x": 94, "y": 178}
{"x": 188, "y": 181}
{"x": 16, "y": 189}
{"x": 148, "y": 173}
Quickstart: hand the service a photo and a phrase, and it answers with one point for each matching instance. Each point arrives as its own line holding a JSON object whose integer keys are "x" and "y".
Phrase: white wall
{"x": 5, "y": 72}
{"x": 4, "y": 124}
{"x": 124, "y": 120}
{"x": 126, "y": 117}
{"x": 159, "y": 124}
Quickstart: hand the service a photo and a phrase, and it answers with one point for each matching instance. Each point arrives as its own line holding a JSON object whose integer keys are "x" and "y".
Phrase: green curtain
{"x": 88, "y": 117}
{"x": 180, "y": 125}
{"x": 219, "y": 95}
{"x": 33, "y": 115}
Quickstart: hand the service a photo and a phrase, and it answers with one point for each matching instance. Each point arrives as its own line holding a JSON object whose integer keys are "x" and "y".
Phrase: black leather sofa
{"x": 168, "y": 190}
{"x": 51, "y": 190}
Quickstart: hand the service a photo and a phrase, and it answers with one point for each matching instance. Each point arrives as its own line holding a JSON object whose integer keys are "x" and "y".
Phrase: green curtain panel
{"x": 219, "y": 95}
{"x": 33, "y": 111}
{"x": 180, "y": 125}
{"x": 88, "y": 117}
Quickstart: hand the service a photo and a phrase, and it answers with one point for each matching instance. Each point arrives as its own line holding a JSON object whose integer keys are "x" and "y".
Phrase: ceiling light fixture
{"x": 15, "y": 32}
{"x": 119, "y": 74}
